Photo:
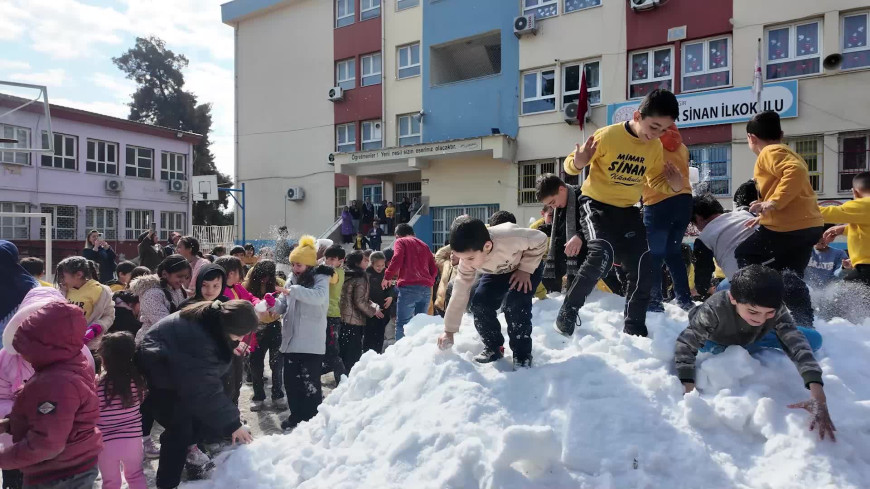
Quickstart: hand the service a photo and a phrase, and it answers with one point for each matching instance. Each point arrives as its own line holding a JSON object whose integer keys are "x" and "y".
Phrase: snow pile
{"x": 600, "y": 410}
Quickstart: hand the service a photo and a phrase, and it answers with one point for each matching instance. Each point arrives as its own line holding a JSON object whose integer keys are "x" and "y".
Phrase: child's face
{"x": 249, "y": 252}
{"x": 239, "y": 255}
{"x": 379, "y": 265}
{"x": 178, "y": 279}
{"x": 334, "y": 262}
{"x": 232, "y": 278}
{"x": 754, "y": 315}
{"x": 365, "y": 263}
{"x": 211, "y": 289}
{"x": 124, "y": 278}
{"x": 652, "y": 127}
{"x": 74, "y": 280}
{"x": 298, "y": 268}
{"x": 474, "y": 258}
{"x": 559, "y": 200}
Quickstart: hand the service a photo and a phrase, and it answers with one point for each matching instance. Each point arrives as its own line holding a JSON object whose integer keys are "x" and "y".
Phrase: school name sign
{"x": 722, "y": 106}
{"x": 419, "y": 151}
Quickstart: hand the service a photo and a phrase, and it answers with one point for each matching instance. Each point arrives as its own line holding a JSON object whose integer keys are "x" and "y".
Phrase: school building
{"x": 466, "y": 102}
{"x": 106, "y": 173}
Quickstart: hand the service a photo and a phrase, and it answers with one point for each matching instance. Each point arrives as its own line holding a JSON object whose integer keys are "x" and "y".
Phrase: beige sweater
{"x": 513, "y": 248}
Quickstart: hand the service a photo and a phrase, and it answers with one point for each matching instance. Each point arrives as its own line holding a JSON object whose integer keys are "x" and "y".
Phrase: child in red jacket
{"x": 53, "y": 421}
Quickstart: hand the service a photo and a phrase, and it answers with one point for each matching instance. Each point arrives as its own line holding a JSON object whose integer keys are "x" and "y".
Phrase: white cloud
{"x": 54, "y": 77}
{"x": 66, "y": 29}
{"x": 119, "y": 86}
{"x": 13, "y": 21}
{"x": 214, "y": 84}
{"x": 14, "y": 65}
{"x": 106, "y": 108}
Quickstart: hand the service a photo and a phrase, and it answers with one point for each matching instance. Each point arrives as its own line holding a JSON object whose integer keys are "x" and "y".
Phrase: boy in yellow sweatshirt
{"x": 622, "y": 158}
{"x": 856, "y": 215}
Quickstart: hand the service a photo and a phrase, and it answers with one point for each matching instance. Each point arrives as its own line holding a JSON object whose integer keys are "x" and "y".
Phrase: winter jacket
{"x": 303, "y": 313}
{"x": 150, "y": 255}
{"x": 717, "y": 320}
{"x": 346, "y": 223}
{"x": 360, "y": 243}
{"x": 355, "y": 304}
{"x": 238, "y": 291}
{"x": 125, "y": 320}
{"x": 412, "y": 263}
{"x": 155, "y": 301}
{"x": 390, "y": 212}
{"x": 16, "y": 281}
{"x": 368, "y": 213}
{"x": 442, "y": 294}
{"x": 105, "y": 259}
{"x": 377, "y": 294}
{"x": 99, "y": 308}
{"x": 375, "y": 237}
{"x": 190, "y": 359}
{"x": 53, "y": 420}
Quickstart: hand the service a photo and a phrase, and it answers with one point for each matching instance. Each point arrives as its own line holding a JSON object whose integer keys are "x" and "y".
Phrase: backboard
{"x": 204, "y": 188}
{"x": 25, "y": 122}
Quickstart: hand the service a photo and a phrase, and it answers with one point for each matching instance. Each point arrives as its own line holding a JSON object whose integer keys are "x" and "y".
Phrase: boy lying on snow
{"x": 751, "y": 315}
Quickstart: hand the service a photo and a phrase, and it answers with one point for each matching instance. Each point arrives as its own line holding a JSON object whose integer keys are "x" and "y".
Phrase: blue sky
{"x": 67, "y": 45}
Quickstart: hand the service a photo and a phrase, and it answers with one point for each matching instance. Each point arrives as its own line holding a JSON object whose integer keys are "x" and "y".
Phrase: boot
{"x": 567, "y": 320}
{"x": 522, "y": 362}
{"x": 489, "y": 355}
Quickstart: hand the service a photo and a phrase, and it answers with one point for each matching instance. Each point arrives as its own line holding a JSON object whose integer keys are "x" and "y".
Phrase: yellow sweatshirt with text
{"x": 620, "y": 167}
{"x": 856, "y": 214}
{"x": 783, "y": 178}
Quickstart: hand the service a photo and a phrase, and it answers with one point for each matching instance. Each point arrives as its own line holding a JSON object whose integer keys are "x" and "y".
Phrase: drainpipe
{"x": 236, "y": 115}
{"x": 383, "y": 81}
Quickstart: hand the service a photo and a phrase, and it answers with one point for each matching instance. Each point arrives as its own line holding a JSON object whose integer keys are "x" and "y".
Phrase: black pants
{"x": 268, "y": 340}
{"x": 788, "y": 252}
{"x": 13, "y": 479}
{"x": 373, "y": 336}
{"x": 350, "y": 344}
{"x": 491, "y": 293}
{"x": 233, "y": 378}
{"x": 302, "y": 381}
{"x": 332, "y": 359}
{"x": 178, "y": 434}
{"x": 612, "y": 234}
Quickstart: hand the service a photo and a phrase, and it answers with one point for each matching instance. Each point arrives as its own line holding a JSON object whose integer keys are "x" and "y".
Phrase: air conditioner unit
{"x": 295, "y": 193}
{"x": 570, "y": 113}
{"x": 525, "y": 24}
{"x": 644, "y": 4}
{"x": 336, "y": 94}
{"x": 113, "y": 185}
{"x": 178, "y": 186}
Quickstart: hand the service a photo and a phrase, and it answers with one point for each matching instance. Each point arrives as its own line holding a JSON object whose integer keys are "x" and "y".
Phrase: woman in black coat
{"x": 98, "y": 251}
{"x": 183, "y": 357}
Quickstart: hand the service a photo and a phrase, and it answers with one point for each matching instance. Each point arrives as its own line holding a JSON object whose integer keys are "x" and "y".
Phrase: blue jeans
{"x": 723, "y": 285}
{"x": 768, "y": 341}
{"x": 412, "y": 300}
{"x": 666, "y": 224}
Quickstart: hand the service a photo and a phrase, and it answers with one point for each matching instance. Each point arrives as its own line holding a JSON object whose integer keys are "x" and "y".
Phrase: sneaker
{"x": 488, "y": 355}
{"x": 257, "y": 406}
{"x": 566, "y": 321}
{"x": 195, "y": 456}
{"x": 287, "y": 425}
{"x": 524, "y": 362}
{"x": 151, "y": 449}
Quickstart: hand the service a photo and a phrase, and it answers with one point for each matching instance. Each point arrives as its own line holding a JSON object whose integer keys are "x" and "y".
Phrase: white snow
{"x": 600, "y": 410}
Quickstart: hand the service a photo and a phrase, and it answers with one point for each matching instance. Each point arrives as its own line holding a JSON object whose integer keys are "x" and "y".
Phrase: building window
{"x": 171, "y": 222}
{"x": 344, "y": 12}
{"x": 794, "y": 50}
{"x": 369, "y": 9}
{"x": 14, "y": 227}
{"x": 409, "y": 60}
{"x": 854, "y": 154}
{"x": 811, "y": 149}
{"x": 403, "y": 4}
{"x": 714, "y": 165}
{"x": 136, "y": 222}
{"x": 102, "y": 157}
{"x": 650, "y": 70}
{"x": 706, "y": 64}
{"x": 345, "y": 74}
{"x": 371, "y": 69}
{"x": 856, "y": 53}
{"x": 21, "y": 135}
{"x": 574, "y": 5}
{"x": 373, "y": 193}
{"x": 340, "y": 200}
{"x": 539, "y": 91}
{"x": 103, "y": 220}
{"x": 443, "y": 217}
{"x": 409, "y": 130}
{"x": 541, "y": 9}
{"x": 63, "y": 221}
{"x": 345, "y": 138}
{"x": 65, "y": 151}
{"x": 172, "y": 166}
{"x": 371, "y": 135}
{"x": 140, "y": 162}
{"x": 465, "y": 59}
{"x": 529, "y": 173}
{"x": 571, "y": 82}
{"x": 409, "y": 190}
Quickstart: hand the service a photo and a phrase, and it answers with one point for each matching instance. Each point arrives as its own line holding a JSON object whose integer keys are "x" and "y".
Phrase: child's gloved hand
{"x": 270, "y": 300}
{"x": 92, "y": 332}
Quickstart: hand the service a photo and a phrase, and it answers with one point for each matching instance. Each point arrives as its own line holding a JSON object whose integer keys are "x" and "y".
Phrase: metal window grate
{"x": 409, "y": 190}
{"x": 102, "y": 219}
{"x": 529, "y": 172}
{"x": 854, "y": 156}
{"x": 63, "y": 221}
{"x": 14, "y": 227}
{"x": 811, "y": 149}
{"x": 136, "y": 222}
{"x": 171, "y": 222}
{"x": 714, "y": 165}
{"x": 443, "y": 217}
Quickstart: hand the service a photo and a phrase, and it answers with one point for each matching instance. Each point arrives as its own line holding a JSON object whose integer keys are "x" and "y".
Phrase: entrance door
{"x": 443, "y": 217}
{"x": 373, "y": 192}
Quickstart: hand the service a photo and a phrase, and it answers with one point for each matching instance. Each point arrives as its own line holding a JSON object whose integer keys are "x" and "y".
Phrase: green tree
{"x": 161, "y": 99}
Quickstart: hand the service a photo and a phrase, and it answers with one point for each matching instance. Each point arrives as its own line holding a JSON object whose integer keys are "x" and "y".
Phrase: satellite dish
{"x": 833, "y": 61}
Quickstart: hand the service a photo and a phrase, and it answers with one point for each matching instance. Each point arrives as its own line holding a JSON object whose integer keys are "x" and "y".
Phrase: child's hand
{"x": 583, "y": 154}
{"x": 4, "y": 425}
{"x": 282, "y": 290}
{"x": 379, "y": 314}
{"x": 832, "y": 233}
{"x": 673, "y": 176}
{"x": 751, "y": 223}
{"x": 688, "y": 387}
{"x": 445, "y": 341}
{"x": 270, "y": 300}
{"x": 388, "y": 302}
{"x": 242, "y": 437}
{"x": 761, "y": 208}
{"x": 573, "y": 246}
{"x": 242, "y": 349}
{"x": 385, "y": 284}
{"x": 92, "y": 332}
{"x": 520, "y": 281}
{"x": 817, "y": 406}
{"x": 847, "y": 264}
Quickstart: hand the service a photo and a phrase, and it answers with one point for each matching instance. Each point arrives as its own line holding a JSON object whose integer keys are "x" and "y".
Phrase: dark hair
{"x": 547, "y": 209}
{"x": 138, "y": 272}
{"x": 119, "y": 370}
{"x": 191, "y": 243}
{"x": 254, "y": 281}
{"x": 388, "y": 254}
{"x": 235, "y": 317}
{"x": 354, "y": 259}
{"x": 861, "y": 181}
{"x": 468, "y": 234}
{"x": 368, "y": 253}
{"x": 547, "y": 185}
{"x": 125, "y": 296}
{"x": 502, "y": 217}
{"x": 125, "y": 267}
{"x": 281, "y": 275}
{"x": 172, "y": 264}
{"x": 403, "y": 230}
{"x": 659, "y": 103}
{"x": 210, "y": 258}
{"x": 765, "y": 126}
{"x": 705, "y": 206}
{"x": 377, "y": 255}
{"x": 34, "y": 266}
{"x": 219, "y": 251}
{"x": 335, "y": 251}
{"x": 757, "y": 285}
{"x": 282, "y": 230}
{"x": 249, "y": 246}
{"x": 211, "y": 274}
{"x": 746, "y": 194}
{"x": 231, "y": 264}
{"x": 75, "y": 264}
{"x": 237, "y": 249}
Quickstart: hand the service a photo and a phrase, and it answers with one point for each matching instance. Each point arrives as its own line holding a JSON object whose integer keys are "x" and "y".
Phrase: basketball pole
{"x": 240, "y": 204}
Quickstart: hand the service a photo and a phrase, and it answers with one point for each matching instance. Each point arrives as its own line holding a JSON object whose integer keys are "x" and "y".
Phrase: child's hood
{"x": 205, "y": 269}
{"x": 352, "y": 273}
{"x": 144, "y": 283}
{"x": 50, "y": 335}
{"x": 33, "y": 301}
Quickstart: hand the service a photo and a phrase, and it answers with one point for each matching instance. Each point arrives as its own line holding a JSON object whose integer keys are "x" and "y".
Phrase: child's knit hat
{"x": 306, "y": 252}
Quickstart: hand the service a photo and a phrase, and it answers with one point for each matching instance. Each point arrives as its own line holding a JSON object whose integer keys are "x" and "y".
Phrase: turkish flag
{"x": 582, "y": 101}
